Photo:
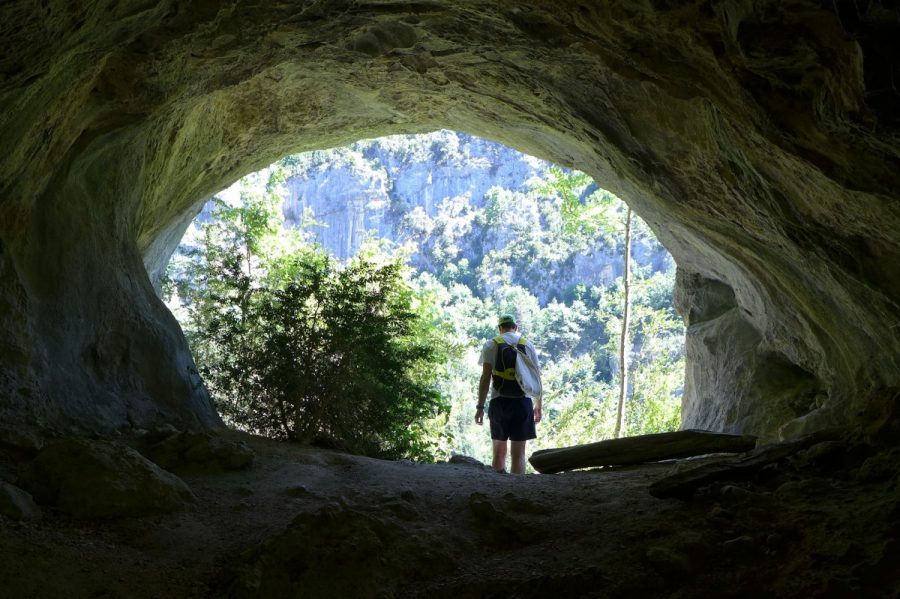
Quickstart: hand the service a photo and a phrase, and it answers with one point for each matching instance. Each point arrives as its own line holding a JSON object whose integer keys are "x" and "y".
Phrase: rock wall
{"x": 350, "y": 199}
{"x": 758, "y": 138}
{"x": 425, "y": 191}
{"x": 727, "y": 357}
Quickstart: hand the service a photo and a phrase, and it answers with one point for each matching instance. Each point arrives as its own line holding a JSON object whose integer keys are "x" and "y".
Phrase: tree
{"x": 587, "y": 215}
{"x": 624, "y": 343}
{"x": 294, "y": 345}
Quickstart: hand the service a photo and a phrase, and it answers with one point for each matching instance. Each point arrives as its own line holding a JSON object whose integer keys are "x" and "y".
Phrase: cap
{"x": 506, "y": 319}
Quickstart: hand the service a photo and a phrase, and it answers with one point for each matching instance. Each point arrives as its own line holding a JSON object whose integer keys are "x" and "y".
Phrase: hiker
{"x": 511, "y": 413}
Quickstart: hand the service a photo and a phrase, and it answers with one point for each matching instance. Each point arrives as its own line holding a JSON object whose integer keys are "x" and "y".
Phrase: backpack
{"x": 515, "y": 373}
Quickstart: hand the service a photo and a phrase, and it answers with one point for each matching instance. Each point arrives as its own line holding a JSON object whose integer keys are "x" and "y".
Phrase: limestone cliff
{"x": 350, "y": 199}
{"x": 423, "y": 191}
{"x": 758, "y": 138}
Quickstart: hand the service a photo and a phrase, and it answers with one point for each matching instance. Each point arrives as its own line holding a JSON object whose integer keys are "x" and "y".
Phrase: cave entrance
{"x": 480, "y": 230}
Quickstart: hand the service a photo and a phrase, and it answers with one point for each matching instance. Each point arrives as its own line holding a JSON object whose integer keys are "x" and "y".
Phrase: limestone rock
{"x": 17, "y": 504}
{"x": 879, "y": 467}
{"x": 684, "y": 483}
{"x": 752, "y": 390}
{"x": 402, "y": 196}
{"x": 742, "y": 547}
{"x": 205, "y": 451}
{"x": 340, "y": 552}
{"x": 102, "y": 479}
{"x": 21, "y": 439}
{"x": 804, "y": 489}
{"x": 157, "y": 434}
{"x": 681, "y": 556}
{"x": 497, "y": 527}
{"x": 759, "y": 139}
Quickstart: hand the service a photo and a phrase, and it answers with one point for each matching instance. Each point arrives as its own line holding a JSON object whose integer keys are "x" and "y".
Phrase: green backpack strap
{"x": 499, "y": 339}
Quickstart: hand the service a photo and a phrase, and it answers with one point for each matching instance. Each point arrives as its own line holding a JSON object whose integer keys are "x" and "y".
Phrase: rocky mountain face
{"x": 351, "y": 199}
{"x": 432, "y": 189}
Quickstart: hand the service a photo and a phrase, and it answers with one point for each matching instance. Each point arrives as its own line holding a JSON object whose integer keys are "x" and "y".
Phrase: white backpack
{"x": 526, "y": 372}
{"x": 528, "y": 376}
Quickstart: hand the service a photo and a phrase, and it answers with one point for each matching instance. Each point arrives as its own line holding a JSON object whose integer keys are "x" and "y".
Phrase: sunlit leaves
{"x": 583, "y": 213}
{"x": 294, "y": 345}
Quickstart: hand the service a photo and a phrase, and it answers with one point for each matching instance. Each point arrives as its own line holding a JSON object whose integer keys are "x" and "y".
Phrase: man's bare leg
{"x": 517, "y": 458}
{"x": 499, "y": 462}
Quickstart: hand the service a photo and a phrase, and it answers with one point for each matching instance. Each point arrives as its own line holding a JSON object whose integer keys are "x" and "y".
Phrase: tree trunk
{"x": 623, "y": 340}
{"x": 639, "y": 450}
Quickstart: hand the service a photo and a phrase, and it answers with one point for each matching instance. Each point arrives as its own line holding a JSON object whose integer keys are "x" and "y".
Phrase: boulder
{"x": 20, "y": 439}
{"x": 204, "y": 451}
{"x": 17, "y": 504}
{"x": 499, "y": 529}
{"x": 102, "y": 479}
{"x": 342, "y": 552}
{"x": 684, "y": 483}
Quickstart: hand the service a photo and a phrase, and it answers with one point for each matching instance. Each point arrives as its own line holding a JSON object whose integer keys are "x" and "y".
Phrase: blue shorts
{"x": 512, "y": 418}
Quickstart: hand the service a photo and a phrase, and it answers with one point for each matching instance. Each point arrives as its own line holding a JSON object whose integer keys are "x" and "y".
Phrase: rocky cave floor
{"x": 308, "y": 522}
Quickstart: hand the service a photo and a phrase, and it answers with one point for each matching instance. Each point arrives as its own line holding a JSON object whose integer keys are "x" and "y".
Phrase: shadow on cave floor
{"x": 307, "y": 522}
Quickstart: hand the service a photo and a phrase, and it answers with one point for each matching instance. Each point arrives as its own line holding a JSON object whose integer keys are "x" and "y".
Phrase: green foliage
{"x": 583, "y": 214}
{"x": 284, "y": 323}
{"x": 655, "y": 404}
{"x": 577, "y": 331}
{"x": 294, "y": 345}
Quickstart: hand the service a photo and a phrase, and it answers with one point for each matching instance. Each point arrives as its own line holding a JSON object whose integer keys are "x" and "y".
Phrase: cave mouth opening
{"x": 481, "y": 229}
{"x": 775, "y": 183}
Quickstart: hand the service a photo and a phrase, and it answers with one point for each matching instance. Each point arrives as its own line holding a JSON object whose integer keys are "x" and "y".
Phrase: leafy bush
{"x": 293, "y": 345}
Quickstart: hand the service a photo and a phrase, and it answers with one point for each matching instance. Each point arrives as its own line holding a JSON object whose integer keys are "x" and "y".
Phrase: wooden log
{"x": 683, "y": 484}
{"x": 639, "y": 449}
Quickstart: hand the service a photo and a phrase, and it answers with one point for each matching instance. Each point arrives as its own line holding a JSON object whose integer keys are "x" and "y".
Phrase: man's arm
{"x": 483, "y": 385}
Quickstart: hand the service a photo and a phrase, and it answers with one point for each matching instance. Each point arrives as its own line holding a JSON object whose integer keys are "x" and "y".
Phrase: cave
{"x": 758, "y": 139}
{"x": 755, "y": 140}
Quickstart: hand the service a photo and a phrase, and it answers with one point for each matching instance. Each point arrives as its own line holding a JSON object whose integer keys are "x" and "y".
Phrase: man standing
{"x": 511, "y": 413}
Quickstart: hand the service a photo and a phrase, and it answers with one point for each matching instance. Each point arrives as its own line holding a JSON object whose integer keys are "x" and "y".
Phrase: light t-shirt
{"x": 489, "y": 353}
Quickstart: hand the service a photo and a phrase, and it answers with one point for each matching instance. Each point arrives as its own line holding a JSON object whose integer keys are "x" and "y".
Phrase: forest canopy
{"x": 376, "y": 352}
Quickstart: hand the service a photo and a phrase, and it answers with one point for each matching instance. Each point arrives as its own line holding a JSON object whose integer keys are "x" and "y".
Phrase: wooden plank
{"x": 639, "y": 449}
{"x": 683, "y": 484}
